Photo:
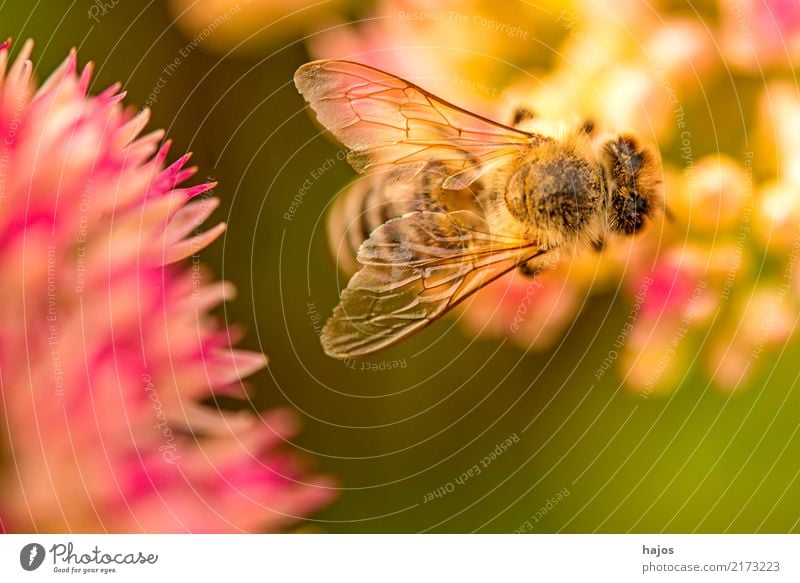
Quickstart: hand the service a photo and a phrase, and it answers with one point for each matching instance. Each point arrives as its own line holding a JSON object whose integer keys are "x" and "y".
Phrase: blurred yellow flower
{"x": 249, "y": 25}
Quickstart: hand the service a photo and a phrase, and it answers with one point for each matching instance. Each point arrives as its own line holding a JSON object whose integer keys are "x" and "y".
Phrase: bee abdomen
{"x": 364, "y": 206}
{"x": 373, "y": 199}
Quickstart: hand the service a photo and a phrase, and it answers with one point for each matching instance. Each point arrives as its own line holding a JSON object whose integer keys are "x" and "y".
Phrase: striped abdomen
{"x": 373, "y": 199}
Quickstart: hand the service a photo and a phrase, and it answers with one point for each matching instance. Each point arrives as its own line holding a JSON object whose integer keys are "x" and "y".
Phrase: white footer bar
{"x": 389, "y": 558}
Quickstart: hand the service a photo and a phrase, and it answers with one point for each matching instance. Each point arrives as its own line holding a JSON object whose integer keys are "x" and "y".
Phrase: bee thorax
{"x": 555, "y": 194}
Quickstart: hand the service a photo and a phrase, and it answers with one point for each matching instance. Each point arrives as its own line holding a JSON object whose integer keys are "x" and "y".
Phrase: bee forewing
{"x": 388, "y": 122}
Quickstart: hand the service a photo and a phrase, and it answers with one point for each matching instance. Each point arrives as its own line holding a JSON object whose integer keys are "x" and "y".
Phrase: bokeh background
{"x": 581, "y": 452}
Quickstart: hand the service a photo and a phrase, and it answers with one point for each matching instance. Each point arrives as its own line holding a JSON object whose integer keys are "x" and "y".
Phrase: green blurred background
{"x": 697, "y": 460}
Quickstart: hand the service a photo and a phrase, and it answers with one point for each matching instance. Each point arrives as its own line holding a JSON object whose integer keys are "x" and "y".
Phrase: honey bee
{"x": 452, "y": 201}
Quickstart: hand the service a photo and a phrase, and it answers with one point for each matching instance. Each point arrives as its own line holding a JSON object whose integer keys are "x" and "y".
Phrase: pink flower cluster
{"x": 107, "y": 346}
{"x": 713, "y": 285}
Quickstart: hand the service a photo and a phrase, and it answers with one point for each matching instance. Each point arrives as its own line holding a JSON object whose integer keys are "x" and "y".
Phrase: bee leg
{"x": 669, "y": 214}
{"x": 599, "y": 244}
{"x": 520, "y": 115}
{"x": 587, "y": 127}
{"x": 528, "y": 270}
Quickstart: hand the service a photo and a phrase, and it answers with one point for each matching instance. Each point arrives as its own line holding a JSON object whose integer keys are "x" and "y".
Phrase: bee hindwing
{"x": 415, "y": 269}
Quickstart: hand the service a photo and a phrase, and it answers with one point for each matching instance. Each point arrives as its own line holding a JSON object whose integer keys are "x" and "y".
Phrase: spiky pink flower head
{"x": 106, "y": 343}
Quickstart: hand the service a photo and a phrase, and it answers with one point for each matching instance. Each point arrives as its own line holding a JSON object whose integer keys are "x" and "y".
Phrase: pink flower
{"x": 106, "y": 344}
{"x": 532, "y": 311}
{"x": 711, "y": 299}
{"x": 671, "y": 302}
{"x": 760, "y": 34}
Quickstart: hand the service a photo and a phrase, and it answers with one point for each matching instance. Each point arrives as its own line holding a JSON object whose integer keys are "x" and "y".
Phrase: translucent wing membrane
{"x": 415, "y": 269}
{"x": 390, "y": 123}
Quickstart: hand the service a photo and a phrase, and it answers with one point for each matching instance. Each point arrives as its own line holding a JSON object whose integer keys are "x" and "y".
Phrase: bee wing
{"x": 415, "y": 269}
{"x": 388, "y": 122}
